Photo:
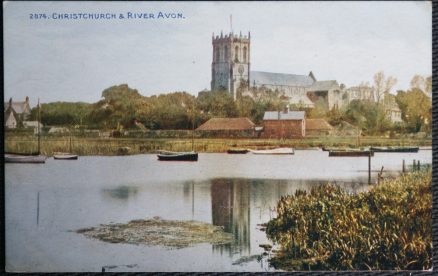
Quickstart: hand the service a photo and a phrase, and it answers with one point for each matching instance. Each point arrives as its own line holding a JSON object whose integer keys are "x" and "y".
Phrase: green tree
{"x": 119, "y": 105}
{"x": 369, "y": 116}
{"x": 319, "y": 110}
{"x": 416, "y": 109}
{"x": 217, "y": 104}
{"x": 62, "y": 113}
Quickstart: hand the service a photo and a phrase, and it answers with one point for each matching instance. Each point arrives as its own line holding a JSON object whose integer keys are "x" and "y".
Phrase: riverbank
{"x": 123, "y": 146}
{"x": 387, "y": 228}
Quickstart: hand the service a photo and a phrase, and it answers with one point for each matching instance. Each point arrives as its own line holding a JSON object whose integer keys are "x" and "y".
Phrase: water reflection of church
{"x": 239, "y": 204}
{"x": 230, "y": 200}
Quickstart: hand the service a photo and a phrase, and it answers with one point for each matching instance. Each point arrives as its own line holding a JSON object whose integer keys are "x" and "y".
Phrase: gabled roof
{"x": 260, "y": 78}
{"x": 242, "y": 123}
{"x": 324, "y": 85}
{"x": 317, "y": 124}
{"x": 19, "y": 107}
{"x": 301, "y": 99}
{"x": 278, "y": 115}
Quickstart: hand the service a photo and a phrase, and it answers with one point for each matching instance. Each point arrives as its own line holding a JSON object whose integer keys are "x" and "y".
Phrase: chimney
{"x": 286, "y": 109}
{"x": 27, "y": 99}
{"x": 10, "y": 101}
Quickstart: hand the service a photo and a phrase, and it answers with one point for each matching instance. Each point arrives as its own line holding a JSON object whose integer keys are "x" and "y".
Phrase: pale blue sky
{"x": 74, "y": 60}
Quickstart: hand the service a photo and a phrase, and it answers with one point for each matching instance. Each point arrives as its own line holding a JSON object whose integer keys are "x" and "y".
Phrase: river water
{"x": 46, "y": 203}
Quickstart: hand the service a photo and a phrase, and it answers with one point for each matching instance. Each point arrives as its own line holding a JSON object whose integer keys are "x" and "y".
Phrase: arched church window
{"x": 218, "y": 54}
{"x": 244, "y": 54}
{"x": 226, "y": 53}
{"x": 236, "y": 56}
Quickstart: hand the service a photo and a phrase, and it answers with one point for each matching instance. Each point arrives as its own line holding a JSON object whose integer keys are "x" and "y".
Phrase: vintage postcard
{"x": 217, "y": 136}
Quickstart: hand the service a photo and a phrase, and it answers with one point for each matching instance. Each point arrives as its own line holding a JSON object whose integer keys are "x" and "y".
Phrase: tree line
{"x": 122, "y": 106}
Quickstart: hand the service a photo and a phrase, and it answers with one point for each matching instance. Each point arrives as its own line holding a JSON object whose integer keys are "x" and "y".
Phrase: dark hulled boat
{"x": 65, "y": 156}
{"x": 237, "y": 151}
{"x": 181, "y": 156}
{"x": 350, "y": 153}
{"x": 177, "y": 156}
{"x": 395, "y": 149}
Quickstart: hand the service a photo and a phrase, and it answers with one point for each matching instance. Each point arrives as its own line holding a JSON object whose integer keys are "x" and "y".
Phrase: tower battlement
{"x": 227, "y": 37}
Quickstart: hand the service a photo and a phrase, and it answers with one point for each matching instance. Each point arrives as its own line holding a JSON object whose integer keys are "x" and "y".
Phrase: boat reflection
{"x": 121, "y": 192}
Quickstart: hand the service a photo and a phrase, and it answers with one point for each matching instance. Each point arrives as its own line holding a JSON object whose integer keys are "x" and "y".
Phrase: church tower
{"x": 230, "y": 66}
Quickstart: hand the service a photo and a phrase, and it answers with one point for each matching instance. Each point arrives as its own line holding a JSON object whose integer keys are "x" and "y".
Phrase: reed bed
{"x": 386, "y": 228}
{"x": 112, "y": 146}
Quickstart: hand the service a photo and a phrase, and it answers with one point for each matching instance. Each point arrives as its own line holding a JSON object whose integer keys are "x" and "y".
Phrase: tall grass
{"x": 387, "y": 228}
{"x": 111, "y": 146}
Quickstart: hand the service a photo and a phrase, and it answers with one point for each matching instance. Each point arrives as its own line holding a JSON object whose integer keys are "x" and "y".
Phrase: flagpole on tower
{"x": 231, "y": 23}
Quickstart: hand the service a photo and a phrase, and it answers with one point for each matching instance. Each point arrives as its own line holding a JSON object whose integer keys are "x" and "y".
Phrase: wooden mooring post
{"x": 38, "y": 208}
{"x": 418, "y": 165}
{"x": 369, "y": 168}
{"x": 413, "y": 165}
{"x": 379, "y": 176}
{"x": 403, "y": 167}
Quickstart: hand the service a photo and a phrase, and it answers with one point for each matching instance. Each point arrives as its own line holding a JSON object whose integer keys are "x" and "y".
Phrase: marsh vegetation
{"x": 386, "y": 228}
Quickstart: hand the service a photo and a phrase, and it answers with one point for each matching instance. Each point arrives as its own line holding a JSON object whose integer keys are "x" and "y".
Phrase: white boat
{"x": 274, "y": 151}
{"x": 65, "y": 155}
{"x": 19, "y": 158}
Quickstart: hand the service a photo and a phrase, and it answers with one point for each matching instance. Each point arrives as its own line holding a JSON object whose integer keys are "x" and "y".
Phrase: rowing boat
{"x": 350, "y": 153}
{"x": 395, "y": 149}
{"x": 19, "y": 158}
{"x": 274, "y": 151}
{"x": 177, "y": 156}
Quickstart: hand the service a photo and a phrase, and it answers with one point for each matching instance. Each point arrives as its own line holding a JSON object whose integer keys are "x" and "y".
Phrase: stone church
{"x": 231, "y": 70}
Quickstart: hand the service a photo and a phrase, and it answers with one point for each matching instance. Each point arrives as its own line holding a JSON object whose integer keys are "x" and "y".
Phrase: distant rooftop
{"x": 279, "y": 115}
{"x": 242, "y": 123}
{"x": 324, "y": 85}
{"x": 19, "y": 107}
{"x": 317, "y": 124}
{"x": 267, "y": 78}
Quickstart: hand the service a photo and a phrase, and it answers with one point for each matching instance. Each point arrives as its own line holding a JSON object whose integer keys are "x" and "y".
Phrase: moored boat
{"x": 20, "y": 158}
{"x": 274, "y": 151}
{"x": 395, "y": 149}
{"x": 237, "y": 151}
{"x": 344, "y": 149}
{"x": 177, "y": 156}
{"x": 350, "y": 153}
{"x": 65, "y": 156}
{"x": 24, "y": 154}
{"x": 34, "y": 157}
